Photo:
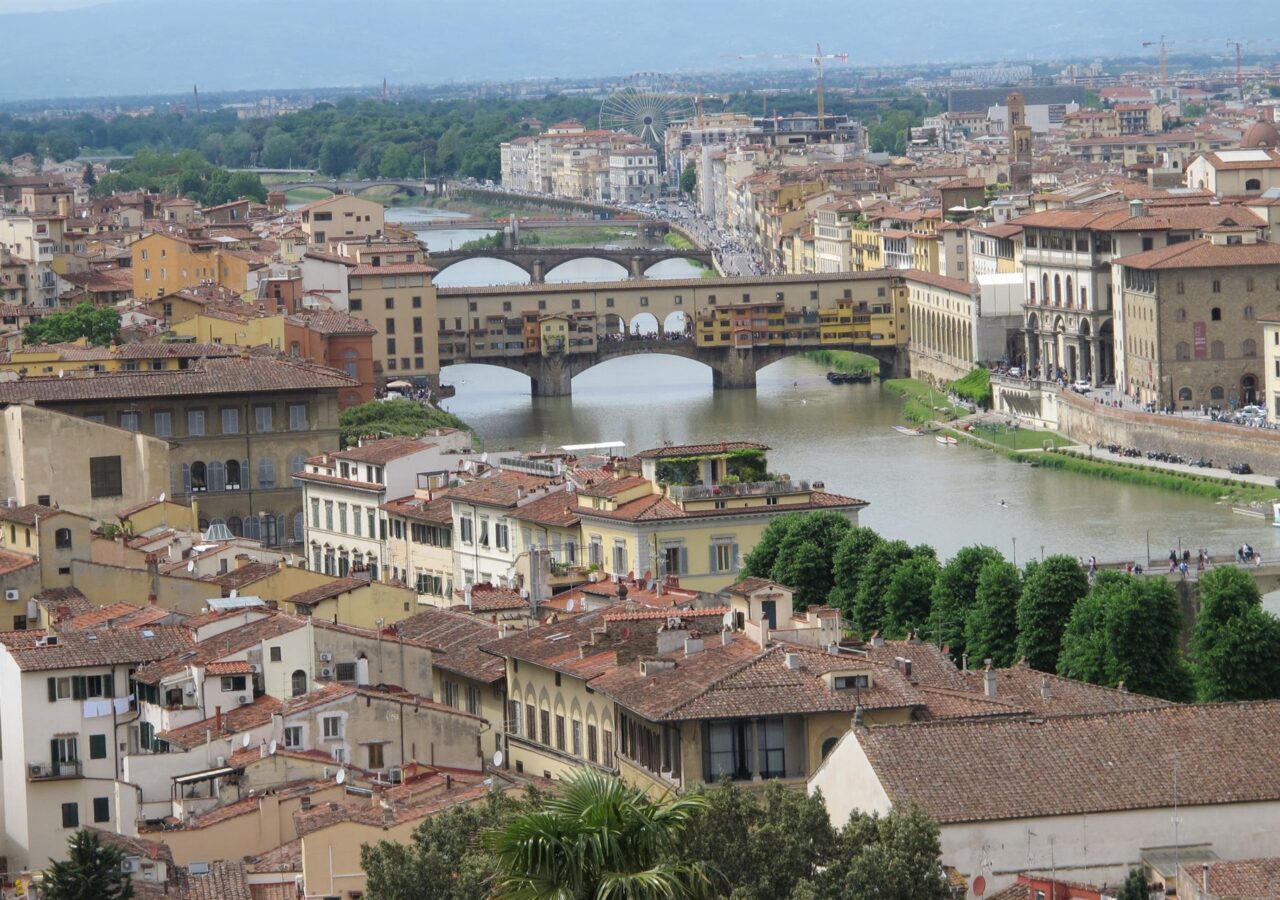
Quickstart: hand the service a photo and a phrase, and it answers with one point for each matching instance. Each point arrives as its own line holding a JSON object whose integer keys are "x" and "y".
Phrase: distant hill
{"x": 163, "y": 46}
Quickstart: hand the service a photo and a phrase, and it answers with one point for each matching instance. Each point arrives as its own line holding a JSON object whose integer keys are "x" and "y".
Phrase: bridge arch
{"x": 644, "y": 323}
{"x": 676, "y": 322}
{"x": 463, "y": 272}
{"x": 561, "y": 271}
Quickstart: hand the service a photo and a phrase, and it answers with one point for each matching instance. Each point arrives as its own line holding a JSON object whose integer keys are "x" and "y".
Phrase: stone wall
{"x": 1081, "y": 419}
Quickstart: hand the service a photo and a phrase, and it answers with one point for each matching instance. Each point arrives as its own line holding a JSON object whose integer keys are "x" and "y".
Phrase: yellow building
{"x": 341, "y": 217}
{"x": 80, "y": 356}
{"x": 393, "y": 292}
{"x": 867, "y": 249}
{"x": 165, "y": 263}
{"x": 233, "y": 327}
{"x": 353, "y": 601}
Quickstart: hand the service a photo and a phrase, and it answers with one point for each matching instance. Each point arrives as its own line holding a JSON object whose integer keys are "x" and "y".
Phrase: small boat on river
{"x": 945, "y": 439}
{"x": 910, "y": 432}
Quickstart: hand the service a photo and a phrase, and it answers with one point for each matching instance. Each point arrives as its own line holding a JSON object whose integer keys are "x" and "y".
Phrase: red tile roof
{"x": 1204, "y": 254}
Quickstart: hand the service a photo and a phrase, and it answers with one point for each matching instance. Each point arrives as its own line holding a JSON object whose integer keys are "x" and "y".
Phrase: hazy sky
{"x": 12, "y": 6}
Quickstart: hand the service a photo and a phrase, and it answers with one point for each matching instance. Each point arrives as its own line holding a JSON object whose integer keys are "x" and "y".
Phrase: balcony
{"x": 741, "y": 489}
{"x": 53, "y": 771}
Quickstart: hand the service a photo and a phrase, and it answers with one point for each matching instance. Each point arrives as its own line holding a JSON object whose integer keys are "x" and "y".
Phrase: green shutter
{"x": 77, "y": 687}
{"x": 53, "y": 690}
{"x": 711, "y": 566}
{"x": 109, "y": 684}
{"x": 97, "y": 746}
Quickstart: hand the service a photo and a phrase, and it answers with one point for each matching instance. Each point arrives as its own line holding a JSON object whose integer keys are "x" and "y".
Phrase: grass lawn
{"x": 307, "y": 194}
{"x": 922, "y": 403}
{"x": 845, "y": 360}
{"x": 1019, "y": 438}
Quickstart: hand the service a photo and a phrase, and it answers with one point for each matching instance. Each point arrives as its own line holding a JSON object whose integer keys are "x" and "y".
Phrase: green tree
{"x": 759, "y": 562}
{"x": 846, "y": 567}
{"x": 599, "y": 838}
{"x": 991, "y": 627}
{"x": 907, "y": 595}
{"x": 101, "y": 325}
{"x": 1143, "y": 631}
{"x": 805, "y": 556}
{"x": 279, "y": 150}
{"x": 337, "y": 155}
{"x": 877, "y": 572}
{"x": 1234, "y": 640}
{"x": 1048, "y": 595}
{"x": 955, "y": 591}
{"x": 442, "y": 860}
{"x": 383, "y": 418}
{"x": 397, "y": 162}
{"x": 780, "y": 837}
{"x": 91, "y": 871}
{"x": 1135, "y": 886}
{"x": 1085, "y": 655}
{"x": 893, "y": 857}
{"x": 90, "y": 179}
{"x": 689, "y": 178}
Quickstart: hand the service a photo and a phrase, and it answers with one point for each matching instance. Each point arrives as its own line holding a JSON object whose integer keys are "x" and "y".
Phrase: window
{"x": 1217, "y": 393}
{"x": 1216, "y": 313}
{"x": 293, "y": 736}
{"x": 851, "y": 682}
{"x": 449, "y": 690}
{"x": 233, "y": 683}
{"x": 266, "y": 472}
{"x": 275, "y": 653}
{"x": 1248, "y": 312}
{"x": 1181, "y": 315}
{"x": 230, "y": 419}
{"x": 1249, "y": 347}
{"x": 724, "y": 556}
{"x": 102, "y": 809}
{"x": 97, "y": 746}
{"x": 234, "y": 474}
{"x": 1184, "y": 394}
{"x": 473, "y": 700}
{"x": 299, "y": 682}
{"x": 619, "y": 558}
{"x": 129, "y": 421}
{"x": 1183, "y": 350}
{"x": 345, "y": 672}
{"x": 1216, "y": 350}
{"x": 1217, "y": 286}
{"x": 577, "y": 738}
{"x": 163, "y": 420}
{"x": 531, "y": 723}
{"x": 544, "y": 720}
{"x": 559, "y": 732}
{"x": 195, "y": 423}
{"x": 464, "y": 529}
{"x": 375, "y": 756}
{"x": 591, "y": 743}
{"x": 606, "y": 748}
{"x": 332, "y": 728}
{"x": 104, "y": 476}
{"x": 501, "y": 535}
{"x": 513, "y": 717}
{"x": 675, "y": 560}
{"x": 62, "y": 539}
{"x": 70, "y": 815}
{"x": 263, "y": 417}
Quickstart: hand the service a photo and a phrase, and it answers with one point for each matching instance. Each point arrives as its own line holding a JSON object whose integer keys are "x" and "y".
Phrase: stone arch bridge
{"x": 538, "y": 262}
{"x": 551, "y": 375}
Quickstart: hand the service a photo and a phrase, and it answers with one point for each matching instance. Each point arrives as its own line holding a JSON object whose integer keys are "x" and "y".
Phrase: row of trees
{"x": 186, "y": 173}
{"x": 101, "y": 325}
{"x": 600, "y": 838}
{"x": 1119, "y": 629}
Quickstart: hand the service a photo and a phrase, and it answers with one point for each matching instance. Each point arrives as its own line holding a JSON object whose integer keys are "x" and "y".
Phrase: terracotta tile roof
{"x": 657, "y": 507}
{"x": 975, "y": 770}
{"x": 232, "y": 667}
{"x": 101, "y": 647}
{"x": 438, "y": 511}
{"x": 491, "y": 598}
{"x": 1239, "y": 879}
{"x": 242, "y": 577}
{"x": 285, "y": 858}
{"x": 557, "y": 509}
{"x": 1203, "y": 254}
{"x": 383, "y": 451}
{"x": 395, "y": 269}
{"x": 234, "y": 720}
{"x": 331, "y": 321}
{"x": 13, "y": 562}
{"x": 232, "y": 375}
{"x": 104, "y": 614}
{"x": 1044, "y": 694}
{"x": 460, "y": 637}
{"x": 1221, "y": 163}
{"x": 615, "y": 486}
{"x": 355, "y": 484}
{"x": 677, "y": 450}
{"x": 955, "y": 285}
{"x": 929, "y": 665}
{"x": 639, "y": 614}
{"x": 225, "y": 880}
{"x": 751, "y": 585}
{"x": 503, "y": 488}
{"x": 214, "y": 648}
{"x": 26, "y": 515}
{"x": 334, "y": 588}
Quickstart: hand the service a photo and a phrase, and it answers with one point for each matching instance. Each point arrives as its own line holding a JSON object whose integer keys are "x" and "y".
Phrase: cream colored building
{"x": 1271, "y": 368}
{"x": 341, "y": 217}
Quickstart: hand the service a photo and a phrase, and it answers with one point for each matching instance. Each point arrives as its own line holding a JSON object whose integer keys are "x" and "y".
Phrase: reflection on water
{"x": 919, "y": 490}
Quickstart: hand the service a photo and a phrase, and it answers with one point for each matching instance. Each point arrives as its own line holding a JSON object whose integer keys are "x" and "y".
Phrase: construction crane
{"x": 817, "y": 59}
{"x": 1239, "y": 46}
{"x": 1164, "y": 61}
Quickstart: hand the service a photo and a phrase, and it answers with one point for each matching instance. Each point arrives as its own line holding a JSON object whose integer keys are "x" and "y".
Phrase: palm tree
{"x": 599, "y": 839}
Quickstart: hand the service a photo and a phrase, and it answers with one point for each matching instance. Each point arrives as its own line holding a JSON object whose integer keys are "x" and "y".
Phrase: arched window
{"x": 1253, "y": 184}
{"x": 1249, "y": 347}
{"x": 1216, "y": 392}
{"x": 1070, "y": 294}
{"x": 1248, "y": 312}
{"x": 233, "y": 475}
{"x": 235, "y": 525}
{"x": 62, "y": 539}
{"x": 299, "y": 682}
{"x": 295, "y": 349}
{"x": 1057, "y": 291}
{"x": 1248, "y": 389}
{"x": 299, "y": 528}
{"x": 1183, "y": 350}
{"x": 199, "y": 478}
{"x": 828, "y": 745}
{"x": 1084, "y": 298}
{"x": 1184, "y": 394}
{"x": 349, "y": 361}
{"x": 1216, "y": 314}
{"x": 252, "y": 528}
{"x": 270, "y": 531}
{"x": 203, "y": 524}
{"x": 1181, "y": 315}
{"x": 344, "y": 563}
{"x": 266, "y": 472}
{"x": 217, "y": 476}
{"x": 1217, "y": 351}
{"x": 317, "y": 560}
{"x": 1031, "y": 292}
{"x": 297, "y": 463}
{"x": 1045, "y": 293}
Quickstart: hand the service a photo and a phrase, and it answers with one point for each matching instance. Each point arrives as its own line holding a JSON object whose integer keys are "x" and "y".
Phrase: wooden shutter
{"x": 53, "y": 690}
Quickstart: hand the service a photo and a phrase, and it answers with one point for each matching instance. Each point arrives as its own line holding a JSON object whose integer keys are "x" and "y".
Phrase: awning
{"x": 398, "y": 384}
{"x": 206, "y": 775}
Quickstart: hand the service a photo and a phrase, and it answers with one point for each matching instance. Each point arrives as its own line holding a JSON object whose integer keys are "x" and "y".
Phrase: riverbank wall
{"x": 1086, "y": 421}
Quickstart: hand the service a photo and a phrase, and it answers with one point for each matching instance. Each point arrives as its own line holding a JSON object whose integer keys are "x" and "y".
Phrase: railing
{"x": 742, "y": 489}
{"x": 51, "y": 771}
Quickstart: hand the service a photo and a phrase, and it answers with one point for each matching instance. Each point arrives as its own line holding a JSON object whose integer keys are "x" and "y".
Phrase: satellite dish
{"x": 498, "y": 758}
{"x": 244, "y": 742}
{"x": 484, "y": 457}
{"x": 191, "y": 565}
{"x": 341, "y": 776}
{"x": 162, "y": 496}
{"x": 271, "y": 748}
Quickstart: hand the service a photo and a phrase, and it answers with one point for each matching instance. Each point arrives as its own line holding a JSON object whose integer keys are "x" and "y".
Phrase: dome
{"x": 1261, "y": 134}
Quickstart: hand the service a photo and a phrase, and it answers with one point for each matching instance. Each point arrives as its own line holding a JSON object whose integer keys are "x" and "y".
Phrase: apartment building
{"x": 633, "y": 174}
{"x": 394, "y": 293}
{"x": 239, "y": 427}
{"x": 165, "y": 263}
{"x": 62, "y": 730}
{"x": 341, "y": 217}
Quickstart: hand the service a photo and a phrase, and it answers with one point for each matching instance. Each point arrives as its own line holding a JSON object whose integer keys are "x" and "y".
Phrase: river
{"x": 919, "y": 491}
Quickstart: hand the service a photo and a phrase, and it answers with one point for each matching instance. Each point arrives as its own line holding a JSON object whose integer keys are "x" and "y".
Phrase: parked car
{"x": 1081, "y": 387}
{"x": 1241, "y": 468}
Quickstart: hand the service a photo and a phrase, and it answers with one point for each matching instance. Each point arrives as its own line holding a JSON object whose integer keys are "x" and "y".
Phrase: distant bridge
{"x": 551, "y": 374}
{"x": 538, "y": 262}
{"x": 415, "y": 187}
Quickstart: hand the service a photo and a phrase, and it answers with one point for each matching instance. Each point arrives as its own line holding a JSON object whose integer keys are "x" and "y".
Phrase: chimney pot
{"x": 1046, "y": 690}
{"x": 989, "y": 682}
{"x": 793, "y": 661}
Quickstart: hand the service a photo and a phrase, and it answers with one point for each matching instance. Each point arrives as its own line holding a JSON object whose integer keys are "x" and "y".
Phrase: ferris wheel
{"x": 645, "y": 105}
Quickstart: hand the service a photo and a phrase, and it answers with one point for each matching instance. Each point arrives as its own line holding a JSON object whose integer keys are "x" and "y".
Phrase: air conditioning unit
{"x": 255, "y": 668}
{"x": 326, "y": 657}
{"x": 190, "y": 691}
{"x": 11, "y": 594}
{"x": 243, "y": 699}
{"x": 49, "y": 640}
{"x": 129, "y": 865}
{"x": 326, "y": 672}
{"x": 395, "y": 775}
{"x": 222, "y": 761}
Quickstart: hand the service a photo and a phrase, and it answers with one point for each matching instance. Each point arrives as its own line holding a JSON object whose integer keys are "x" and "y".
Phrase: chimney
{"x": 692, "y": 645}
{"x": 857, "y": 716}
{"x": 726, "y": 638}
{"x": 582, "y": 649}
{"x": 764, "y": 634}
{"x": 964, "y": 662}
{"x": 989, "y": 680}
{"x": 1204, "y": 878}
{"x": 876, "y": 639}
{"x": 1121, "y": 688}
{"x": 217, "y": 712}
{"x": 1046, "y": 691}
{"x": 793, "y": 661}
